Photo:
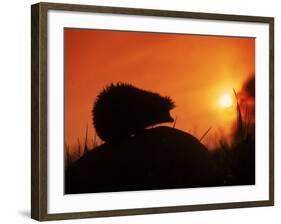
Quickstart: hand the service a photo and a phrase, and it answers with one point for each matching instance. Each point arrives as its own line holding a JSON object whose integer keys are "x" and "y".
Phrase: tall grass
{"x": 79, "y": 150}
{"x": 235, "y": 159}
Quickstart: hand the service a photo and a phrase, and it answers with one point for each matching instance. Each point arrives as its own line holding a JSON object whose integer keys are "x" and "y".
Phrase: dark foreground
{"x": 159, "y": 158}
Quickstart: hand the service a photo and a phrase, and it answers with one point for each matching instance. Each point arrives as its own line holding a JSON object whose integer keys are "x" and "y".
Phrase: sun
{"x": 225, "y": 101}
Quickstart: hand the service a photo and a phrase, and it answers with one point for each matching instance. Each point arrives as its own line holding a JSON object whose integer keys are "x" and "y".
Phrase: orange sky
{"x": 193, "y": 70}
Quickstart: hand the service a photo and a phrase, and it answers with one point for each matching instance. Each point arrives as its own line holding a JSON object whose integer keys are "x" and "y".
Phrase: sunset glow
{"x": 225, "y": 101}
{"x": 195, "y": 71}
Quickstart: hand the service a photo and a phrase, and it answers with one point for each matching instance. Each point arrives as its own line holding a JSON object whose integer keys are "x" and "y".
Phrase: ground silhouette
{"x": 158, "y": 158}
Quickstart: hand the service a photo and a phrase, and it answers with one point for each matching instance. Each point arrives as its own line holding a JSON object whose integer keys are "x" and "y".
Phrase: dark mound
{"x": 159, "y": 158}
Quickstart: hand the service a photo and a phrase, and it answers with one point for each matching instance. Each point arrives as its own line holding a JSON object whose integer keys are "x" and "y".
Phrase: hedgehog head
{"x": 160, "y": 110}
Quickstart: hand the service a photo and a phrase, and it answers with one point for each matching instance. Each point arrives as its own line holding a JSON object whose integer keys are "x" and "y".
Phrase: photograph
{"x": 157, "y": 110}
{"x": 145, "y": 111}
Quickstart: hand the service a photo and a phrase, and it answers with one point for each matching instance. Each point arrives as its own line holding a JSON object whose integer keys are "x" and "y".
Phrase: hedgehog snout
{"x": 166, "y": 117}
{"x": 170, "y": 118}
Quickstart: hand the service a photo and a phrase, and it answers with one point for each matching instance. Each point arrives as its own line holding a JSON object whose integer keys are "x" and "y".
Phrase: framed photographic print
{"x": 141, "y": 111}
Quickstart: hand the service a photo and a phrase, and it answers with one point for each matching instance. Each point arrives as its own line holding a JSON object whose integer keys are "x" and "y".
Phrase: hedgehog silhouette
{"x": 122, "y": 110}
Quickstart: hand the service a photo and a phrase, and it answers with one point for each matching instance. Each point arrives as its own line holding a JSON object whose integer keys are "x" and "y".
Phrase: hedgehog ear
{"x": 169, "y": 103}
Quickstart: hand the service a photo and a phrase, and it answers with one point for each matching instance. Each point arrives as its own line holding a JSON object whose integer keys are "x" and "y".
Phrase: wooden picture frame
{"x": 39, "y": 109}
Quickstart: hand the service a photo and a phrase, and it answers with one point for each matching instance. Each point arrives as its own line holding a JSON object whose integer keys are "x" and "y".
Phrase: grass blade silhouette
{"x": 204, "y": 135}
